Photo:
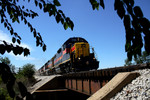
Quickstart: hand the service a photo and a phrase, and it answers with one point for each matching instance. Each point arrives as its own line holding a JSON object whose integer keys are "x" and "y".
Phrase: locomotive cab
{"x": 81, "y": 58}
{"x": 82, "y": 50}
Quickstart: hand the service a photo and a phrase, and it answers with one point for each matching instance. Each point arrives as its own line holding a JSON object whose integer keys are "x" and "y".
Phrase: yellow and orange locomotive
{"x": 73, "y": 56}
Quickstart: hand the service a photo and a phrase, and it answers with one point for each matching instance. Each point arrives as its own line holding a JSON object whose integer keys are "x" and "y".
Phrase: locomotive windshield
{"x": 74, "y": 40}
{"x": 71, "y": 41}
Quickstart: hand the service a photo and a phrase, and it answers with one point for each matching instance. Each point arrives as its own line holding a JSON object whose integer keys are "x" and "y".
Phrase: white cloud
{"x": 21, "y": 57}
{"x": 4, "y": 36}
{"x": 7, "y": 38}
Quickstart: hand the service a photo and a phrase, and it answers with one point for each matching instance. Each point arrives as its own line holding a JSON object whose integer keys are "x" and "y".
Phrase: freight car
{"x": 73, "y": 56}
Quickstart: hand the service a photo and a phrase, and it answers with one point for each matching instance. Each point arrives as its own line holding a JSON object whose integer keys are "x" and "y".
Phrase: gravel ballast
{"x": 138, "y": 89}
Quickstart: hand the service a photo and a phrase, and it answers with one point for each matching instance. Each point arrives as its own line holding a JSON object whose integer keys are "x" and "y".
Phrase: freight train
{"x": 73, "y": 56}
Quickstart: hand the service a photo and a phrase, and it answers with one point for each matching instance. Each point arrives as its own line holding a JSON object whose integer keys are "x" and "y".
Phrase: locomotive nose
{"x": 81, "y": 50}
{"x": 87, "y": 62}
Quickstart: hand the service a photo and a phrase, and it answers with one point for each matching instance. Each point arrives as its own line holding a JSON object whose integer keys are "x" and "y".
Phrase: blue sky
{"x": 103, "y": 29}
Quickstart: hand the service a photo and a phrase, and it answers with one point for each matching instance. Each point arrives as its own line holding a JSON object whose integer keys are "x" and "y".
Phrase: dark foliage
{"x": 15, "y": 49}
{"x": 137, "y": 27}
{"x": 17, "y": 13}
{"x": 96, "y": 4}
{"x": 133, "y": 21}
{"x": 9, "y": 79}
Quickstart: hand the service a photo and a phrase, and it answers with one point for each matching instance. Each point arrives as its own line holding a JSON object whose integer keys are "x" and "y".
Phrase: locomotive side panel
{"x": 66, "y": 55}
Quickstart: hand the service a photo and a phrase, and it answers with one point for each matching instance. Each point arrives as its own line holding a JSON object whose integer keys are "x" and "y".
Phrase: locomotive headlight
{"x": 79, "y": 58}
{"x": 94, "y": 58}
{"x": 87, "y": 62}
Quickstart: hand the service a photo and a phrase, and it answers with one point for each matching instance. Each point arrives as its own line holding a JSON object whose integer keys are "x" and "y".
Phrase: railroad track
{"x": 83, "y": 85}
{"x": 106, "y": 72}
{"x": 88, "y": 82}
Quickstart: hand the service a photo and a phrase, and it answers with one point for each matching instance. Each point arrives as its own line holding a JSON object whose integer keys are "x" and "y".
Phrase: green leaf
{"x": 62, "y": 20}
{"x": 2, "y": 20}
{"x": 25, "y": 21}
{"x": 146, "y": 31}
{"x": 128, "y": 46}
{"x": 131, "y": 34}
{"x": 130, "y": 10}
{"x": 31, "y": 28}
{"x": 54, "y": 10}
{"x": 13, "y": 20}
{"x": 145, "y": 23}
{"x": 65, "y": 26}
{"x": 8, "y": 28}
{"x": 36, "y": 3}
{"x": 72, "y": 25}
{"x": 10, "y": 88}
{"x": 15, "y": 50}
{"x": 116, "y": 4}
{"x": 93, "y": 6}
{"x": 58, "y": 17}
{"x": 19, "y": 37}
{"x": 18, "y": 41}
{"x": 138, "y": 12}
{"x": 5, "y": 77}
{"x": 11, "y": 32}
{"x": 102, "y": 4}
{"x": 50, "y": 13}
{"x": 37, "y": 41}
{"x": 23, "y": 89}
{"x": 8, "y": 48}
{"x": 13, "y": 40}
{"x": 127, "y": 21}
{"x": 147, "y": 41}
{"x": 20, "y": 50}
{"x": 2, "y": 49}
{"x": 45, "y": 9}
{"x": 136, "y": 25}
{"x": 121, "y": 10}
{"x": 131, "y": 2}
{"x": 40, "y": 5}
{"x": 56, "y": 2}
{"x": 126, "y": 2}
{"x": 15, "y": 34}
{"x": 129, "y": 54}
{"x": 22, "y": 7}
{"x": 5, "y": 24}
{"x": 60, "y": 11}
{"x": 34, "y": 33}
{"x": 26, "y": 52}
{"x": 5, "y": 42}
{"x": 44, "y": 47}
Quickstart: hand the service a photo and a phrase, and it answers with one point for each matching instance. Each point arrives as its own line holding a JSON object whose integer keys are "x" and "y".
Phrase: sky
{"x": 103, "y": 29}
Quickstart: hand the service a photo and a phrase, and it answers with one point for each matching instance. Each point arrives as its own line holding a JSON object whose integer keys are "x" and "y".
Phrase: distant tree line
{"x": 144, "y": 58}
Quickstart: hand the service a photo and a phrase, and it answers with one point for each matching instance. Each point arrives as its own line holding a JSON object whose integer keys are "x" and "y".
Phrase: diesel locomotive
{"x": 73, "y": 56}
